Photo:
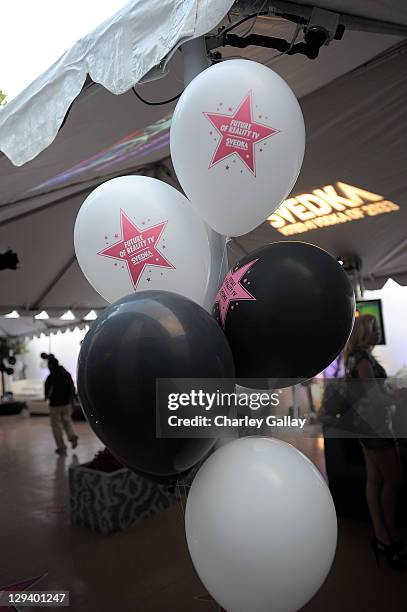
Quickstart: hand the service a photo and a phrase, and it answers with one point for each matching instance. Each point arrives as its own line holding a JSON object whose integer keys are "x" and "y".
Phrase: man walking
{"x": 60, "y": 391}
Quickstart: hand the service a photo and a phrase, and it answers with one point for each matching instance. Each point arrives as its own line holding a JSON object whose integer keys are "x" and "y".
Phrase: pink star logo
{"x": 233, "y": 290}
{"x": 239, "y": 134}
{"x": 138, "y": 248}
{"x": 19, "y": 587}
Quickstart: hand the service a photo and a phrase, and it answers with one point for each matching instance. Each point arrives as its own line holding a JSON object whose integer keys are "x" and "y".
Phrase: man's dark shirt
{"x": 59, "y": 387}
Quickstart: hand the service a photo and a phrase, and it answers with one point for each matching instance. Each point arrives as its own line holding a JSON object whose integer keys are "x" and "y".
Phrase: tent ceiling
{"x": 356, "y": 134}
{"x": 392, "y": 11}
{"x": 303, "y": 75}
{"x": 106, "y": 135}
{"x": 28, "y": 326}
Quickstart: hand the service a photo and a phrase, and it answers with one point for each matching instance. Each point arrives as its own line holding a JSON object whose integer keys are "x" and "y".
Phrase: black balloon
{"x": 287, "y": 310}
{"x": 144, "y": 336}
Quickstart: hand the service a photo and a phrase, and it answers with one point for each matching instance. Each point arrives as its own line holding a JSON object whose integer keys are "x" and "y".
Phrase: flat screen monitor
{"x": 372, "y": 307}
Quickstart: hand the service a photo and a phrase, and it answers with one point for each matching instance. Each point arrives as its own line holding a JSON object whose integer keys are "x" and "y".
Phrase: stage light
{"x": 8, "y": 260}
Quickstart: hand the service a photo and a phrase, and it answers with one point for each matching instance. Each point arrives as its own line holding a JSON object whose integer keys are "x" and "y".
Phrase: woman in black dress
{"x": 380, "y": 448}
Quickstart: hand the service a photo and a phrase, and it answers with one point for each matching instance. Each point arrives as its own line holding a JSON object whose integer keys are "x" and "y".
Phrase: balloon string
{"x": 224, "y": 255}
{"x": 179, "y": 502}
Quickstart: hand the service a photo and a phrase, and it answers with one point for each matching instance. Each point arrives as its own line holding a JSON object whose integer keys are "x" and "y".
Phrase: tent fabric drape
{"x": 137, "y": 41}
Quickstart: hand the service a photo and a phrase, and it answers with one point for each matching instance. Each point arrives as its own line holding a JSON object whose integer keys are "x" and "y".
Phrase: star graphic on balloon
{"x": 138, "y": 248}
{"x": 232, "y": 290}
{"x": 19, "y": 587}
{"x": 239, "y": 134}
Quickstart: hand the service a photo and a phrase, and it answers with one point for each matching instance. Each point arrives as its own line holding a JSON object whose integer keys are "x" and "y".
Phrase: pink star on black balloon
{"x": 138, "y": 248}
{"x": 239, "y": 134}
{"x": 233, "y": 290}
{"x": 18, "y": 587}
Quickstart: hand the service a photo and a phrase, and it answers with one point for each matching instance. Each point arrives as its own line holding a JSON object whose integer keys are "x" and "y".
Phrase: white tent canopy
{"x": 353, "y": 99}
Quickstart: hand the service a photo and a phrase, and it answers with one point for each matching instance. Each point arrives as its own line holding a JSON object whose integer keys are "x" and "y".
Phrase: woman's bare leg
{"x": 391, "y": 474}
{"x": 374, "y": 485}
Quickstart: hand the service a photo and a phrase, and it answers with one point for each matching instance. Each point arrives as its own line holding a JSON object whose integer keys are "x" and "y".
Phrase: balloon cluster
{"x": 5, "y": 369}
{"x": 282, "y": 313}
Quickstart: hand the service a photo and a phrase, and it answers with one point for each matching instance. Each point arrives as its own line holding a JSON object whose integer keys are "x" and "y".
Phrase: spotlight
{"x": 8, "y": 260}
{"x": 350, "y": 263}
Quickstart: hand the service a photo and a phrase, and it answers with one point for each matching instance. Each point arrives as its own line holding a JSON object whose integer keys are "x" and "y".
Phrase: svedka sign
{"x": 328, "y": 206}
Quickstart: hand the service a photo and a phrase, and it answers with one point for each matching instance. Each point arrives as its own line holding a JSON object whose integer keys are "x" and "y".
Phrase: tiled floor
{"x": 147, "y": 568}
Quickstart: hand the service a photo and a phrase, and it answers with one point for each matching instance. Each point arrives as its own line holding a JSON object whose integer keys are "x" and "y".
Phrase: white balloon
{"x": 261, "y": 526}
{"x": 135, "y": 233}
{"x": 237, "y": 144}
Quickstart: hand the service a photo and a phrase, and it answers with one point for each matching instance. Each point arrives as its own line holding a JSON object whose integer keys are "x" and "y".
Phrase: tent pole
{"x": 38, "y": 302}
{"x": 195, "y": 61}
{"x": 195, "y": 58}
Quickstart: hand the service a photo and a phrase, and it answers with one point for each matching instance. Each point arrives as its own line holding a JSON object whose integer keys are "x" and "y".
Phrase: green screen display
{"x": 372, "y": 307}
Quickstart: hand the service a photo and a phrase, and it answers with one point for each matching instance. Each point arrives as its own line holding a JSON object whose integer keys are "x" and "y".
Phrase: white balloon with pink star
{"x": 237, "y": 143}
{"x": 136, "y": 233}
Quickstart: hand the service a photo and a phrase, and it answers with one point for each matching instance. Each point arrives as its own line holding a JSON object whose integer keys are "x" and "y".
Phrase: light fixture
{"x": 12, "y": 315}
{"x": 9, "y": 260}
{"x": 68, "y": 316}
{"x": 91, "y": 316}
{"x": 350, "y": 263}
{"x": 42, "y": 315}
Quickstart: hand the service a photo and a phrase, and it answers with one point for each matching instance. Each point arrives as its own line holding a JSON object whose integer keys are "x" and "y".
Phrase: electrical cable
{"x": 151, "y": 103}
{"x": 294, "y": 38}
{"x": 238, "y": 23}
{"x": 255, "y": 20}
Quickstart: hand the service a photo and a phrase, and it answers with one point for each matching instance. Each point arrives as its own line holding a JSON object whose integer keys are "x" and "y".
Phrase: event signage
{"x": 137, "y": 248}
{"x": 329, "y": 205}
{"x": 239, "y": 134}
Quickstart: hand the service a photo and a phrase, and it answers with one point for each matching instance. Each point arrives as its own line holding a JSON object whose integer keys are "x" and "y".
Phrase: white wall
{"x": 392, "y": 355}
{"x": 65, "y": 347}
